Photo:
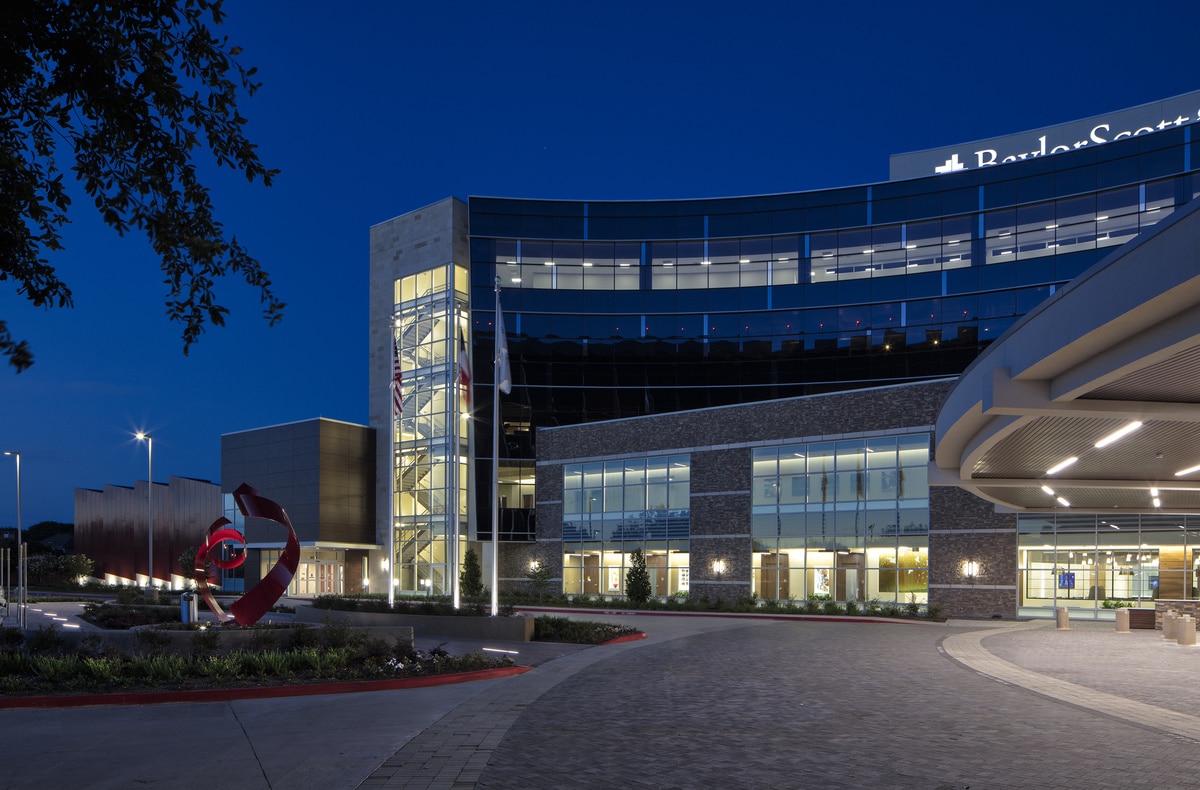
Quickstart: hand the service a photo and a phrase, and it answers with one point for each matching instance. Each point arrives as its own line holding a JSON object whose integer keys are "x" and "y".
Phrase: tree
{"x": 470, "y": 579}
{"x": 637, "y": 578}
{"x": 541, "y": 575}
{"x": 58, "y": 570}
{"x": 187, "y": 562}
{"x": 130, "y": 90}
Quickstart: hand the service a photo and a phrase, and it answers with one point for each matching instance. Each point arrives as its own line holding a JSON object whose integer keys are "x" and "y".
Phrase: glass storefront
{"x": 1091, "y": 564}
{"x": 320, "y": 571}
{"x": 842, "y": 520}
{"x": 611, "y": 509}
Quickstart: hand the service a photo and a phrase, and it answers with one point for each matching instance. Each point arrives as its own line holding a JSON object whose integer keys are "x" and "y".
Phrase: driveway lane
{"x": 802, "y": 704}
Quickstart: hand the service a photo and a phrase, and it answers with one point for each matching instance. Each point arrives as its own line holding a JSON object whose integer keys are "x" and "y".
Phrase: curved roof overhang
{"x": 1119, "y": 344}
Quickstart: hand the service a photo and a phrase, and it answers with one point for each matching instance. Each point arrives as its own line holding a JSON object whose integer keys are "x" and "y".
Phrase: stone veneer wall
{"x": 962, "y": 528}
{"x": 720, "y": 442}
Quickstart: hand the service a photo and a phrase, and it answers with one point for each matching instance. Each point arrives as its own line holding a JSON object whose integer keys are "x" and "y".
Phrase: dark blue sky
{"x": 373, "y": 109}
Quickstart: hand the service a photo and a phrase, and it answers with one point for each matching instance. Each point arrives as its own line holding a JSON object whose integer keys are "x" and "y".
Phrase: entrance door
{"x": 775, "y": 577}
{"x": 851, "y": 577}
{"x": 656, "y": 565}
{"x": 591, "y": 574}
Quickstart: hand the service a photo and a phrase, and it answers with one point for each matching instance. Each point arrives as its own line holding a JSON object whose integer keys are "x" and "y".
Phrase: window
{"x": 847, "y": 519}
{"x": 612, "y": 508}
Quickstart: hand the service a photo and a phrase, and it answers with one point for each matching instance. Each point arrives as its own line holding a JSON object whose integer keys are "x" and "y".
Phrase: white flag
{"x": 503, "y": 373}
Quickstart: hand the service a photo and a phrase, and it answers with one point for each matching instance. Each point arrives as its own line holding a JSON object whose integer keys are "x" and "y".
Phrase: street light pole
{"x": 20, "y": 565}
{"x": 149, "y": 507}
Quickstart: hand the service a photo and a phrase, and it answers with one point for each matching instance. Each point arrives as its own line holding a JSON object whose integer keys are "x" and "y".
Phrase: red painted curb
{"x": 616, "y": 640}
{"x": 266, "y": 692}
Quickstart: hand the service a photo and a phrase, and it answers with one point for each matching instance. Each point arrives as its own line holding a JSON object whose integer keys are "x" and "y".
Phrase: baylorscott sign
{"x": 1133, "y": 122}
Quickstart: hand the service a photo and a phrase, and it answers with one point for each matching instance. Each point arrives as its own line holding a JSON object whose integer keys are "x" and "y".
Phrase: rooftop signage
{"x": 1135, "y": 121}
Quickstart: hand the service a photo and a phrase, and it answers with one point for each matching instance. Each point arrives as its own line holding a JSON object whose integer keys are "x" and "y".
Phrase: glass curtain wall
{"x": 1092, "y": 564}
{"x": 611, "y": 509}
{"x": 842, "y": 520}
{"x": 429, "y": 328}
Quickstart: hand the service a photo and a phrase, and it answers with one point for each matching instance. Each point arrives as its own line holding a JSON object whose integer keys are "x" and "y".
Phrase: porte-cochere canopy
{"x": 1105, "y": 372}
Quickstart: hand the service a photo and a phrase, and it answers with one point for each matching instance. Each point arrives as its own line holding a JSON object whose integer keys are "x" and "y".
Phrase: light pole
{"x": 149, "y": 506}
{"x": 20, "y": 565}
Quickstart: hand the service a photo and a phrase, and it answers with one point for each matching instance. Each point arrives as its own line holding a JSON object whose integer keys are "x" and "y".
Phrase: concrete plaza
{"x": 702, "y": 702}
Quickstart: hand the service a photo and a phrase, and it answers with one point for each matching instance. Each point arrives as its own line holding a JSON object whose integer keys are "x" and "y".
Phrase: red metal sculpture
{"x": 250, "y": 608}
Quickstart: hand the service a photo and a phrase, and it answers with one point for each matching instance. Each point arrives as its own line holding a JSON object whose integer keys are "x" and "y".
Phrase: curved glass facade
{"x": 619, "y": 309}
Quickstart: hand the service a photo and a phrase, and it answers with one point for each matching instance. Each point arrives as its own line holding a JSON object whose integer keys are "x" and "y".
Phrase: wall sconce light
{"x": 718, "y": 567}
{"x": 970, "y": 569}
{"x": 383, "y": 564}
{"x": 535, "y": 565}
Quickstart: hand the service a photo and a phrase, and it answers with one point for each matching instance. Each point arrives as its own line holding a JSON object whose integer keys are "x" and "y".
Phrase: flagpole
{"x": 454, "y": 449}
{"x": 391, "y": 519}
{"x": 496, "y": 463}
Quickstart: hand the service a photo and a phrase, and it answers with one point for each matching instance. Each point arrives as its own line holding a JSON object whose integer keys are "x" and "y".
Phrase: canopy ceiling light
{"x": 1124, "y": 430}
{"x": 1061, "y": 465}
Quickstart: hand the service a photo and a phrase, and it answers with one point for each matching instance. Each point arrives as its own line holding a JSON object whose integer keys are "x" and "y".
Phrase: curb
{"x": 265, "y": 692}
{"x": 824, "y": 618}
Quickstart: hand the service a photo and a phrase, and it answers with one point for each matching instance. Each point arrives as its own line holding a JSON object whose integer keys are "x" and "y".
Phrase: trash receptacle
{"x": 1122, "y": 621}
{"x": 187, "y": 607}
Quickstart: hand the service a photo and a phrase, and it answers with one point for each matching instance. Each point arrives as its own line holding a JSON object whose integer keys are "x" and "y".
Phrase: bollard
{"x": 1185, "y": 630}
{"x": 1062, "y": 618}
{"x": 1169, "y": 625}
{"x": 1122, "y": 621}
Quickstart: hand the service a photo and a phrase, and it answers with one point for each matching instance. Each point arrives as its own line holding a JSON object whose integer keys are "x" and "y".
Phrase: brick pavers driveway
{"x": 809, "y": 704}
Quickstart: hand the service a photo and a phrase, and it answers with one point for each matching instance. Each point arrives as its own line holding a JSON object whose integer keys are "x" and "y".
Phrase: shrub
{"x": 206, "y": 642}
{"x": 264, "y": 639}
{"x": 851, "y": 608}
{"x": 582, "y": 632}
{"x": 11, "y": 639}
{"x": 303, "y": 637}
{"x": 46, "y": 640}
{"x": 151, "y": 642}
{"x": 335, "y": 635}
{"x": 90, "y": 644}
{"x": 831, "y": 607}
{"x": 122, "y": 617}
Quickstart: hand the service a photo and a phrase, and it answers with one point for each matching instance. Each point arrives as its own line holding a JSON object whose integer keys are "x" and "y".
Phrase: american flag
{"x": 397, "y": 382}
{"x": 464, "y": 371}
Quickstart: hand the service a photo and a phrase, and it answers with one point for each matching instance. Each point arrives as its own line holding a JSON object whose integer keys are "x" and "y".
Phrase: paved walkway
{"x": 702, "y": 702}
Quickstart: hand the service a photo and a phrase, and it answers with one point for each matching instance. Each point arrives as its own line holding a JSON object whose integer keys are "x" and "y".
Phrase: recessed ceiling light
{"x": 1063, "y": 502}
{"x": 1157, "y": 502}
{"x": 1048, "y": 490}
{"x": 1187, "y": 471}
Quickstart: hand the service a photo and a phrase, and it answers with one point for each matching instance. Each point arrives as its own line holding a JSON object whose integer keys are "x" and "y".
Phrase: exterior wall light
{"x": 535, "y": 565}
{"x": 718, "y": 567}
{"x": 970, "y": 569}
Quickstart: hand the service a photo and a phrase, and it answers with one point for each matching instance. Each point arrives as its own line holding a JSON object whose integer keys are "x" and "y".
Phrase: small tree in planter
{"x": 470, "y": 580}
{"x": 637, "y": 578}
{"x": 541, "y": 575}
